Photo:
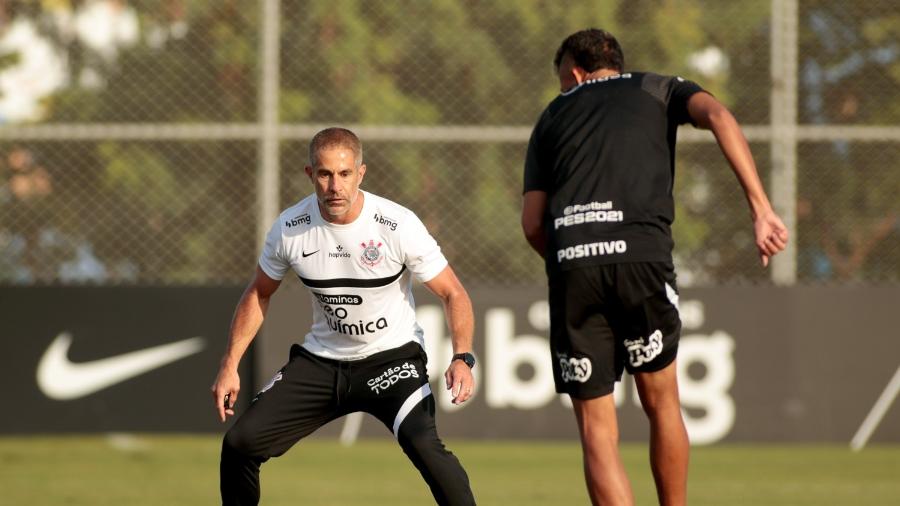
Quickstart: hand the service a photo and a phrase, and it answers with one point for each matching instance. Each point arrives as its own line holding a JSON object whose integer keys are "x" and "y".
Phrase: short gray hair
{"x": 335, "y": 137}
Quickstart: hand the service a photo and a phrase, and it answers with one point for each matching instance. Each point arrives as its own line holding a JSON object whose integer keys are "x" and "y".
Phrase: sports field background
{"x": 177, "y": 470}
{"x": 164, "y": 136}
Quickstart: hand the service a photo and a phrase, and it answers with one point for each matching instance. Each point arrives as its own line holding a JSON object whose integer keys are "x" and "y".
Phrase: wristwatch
{"x": 467, "y": 357}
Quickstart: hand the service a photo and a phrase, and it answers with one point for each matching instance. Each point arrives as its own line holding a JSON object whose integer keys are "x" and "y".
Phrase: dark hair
{"x": 335, "y": 137}
{"x": 592, "y": 49}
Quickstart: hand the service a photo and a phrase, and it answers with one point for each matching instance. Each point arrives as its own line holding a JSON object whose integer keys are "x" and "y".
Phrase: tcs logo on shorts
{"x": 640, "y": 353}
{"x": 575, "y": 369}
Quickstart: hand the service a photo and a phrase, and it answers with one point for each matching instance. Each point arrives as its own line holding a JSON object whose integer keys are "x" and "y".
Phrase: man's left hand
{"x": 460, "y": 381}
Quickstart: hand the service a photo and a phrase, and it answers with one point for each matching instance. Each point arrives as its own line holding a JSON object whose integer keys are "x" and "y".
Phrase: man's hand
{"x": 225, "y": 391}
{"x": 771, "y": 236}
{"x": 460, "y": 381}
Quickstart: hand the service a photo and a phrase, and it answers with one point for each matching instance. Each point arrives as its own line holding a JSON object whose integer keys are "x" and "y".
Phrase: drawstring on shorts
{"x": 342, "y": 384}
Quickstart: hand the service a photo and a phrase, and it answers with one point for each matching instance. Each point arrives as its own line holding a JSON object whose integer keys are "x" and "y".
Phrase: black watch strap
{"x": 467, "y": 357}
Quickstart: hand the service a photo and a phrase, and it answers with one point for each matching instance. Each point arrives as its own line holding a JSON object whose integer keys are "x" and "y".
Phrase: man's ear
{"x": 580, "y": 74}
{"x": 308, "y": 171}
{"x": 362, "y": 172}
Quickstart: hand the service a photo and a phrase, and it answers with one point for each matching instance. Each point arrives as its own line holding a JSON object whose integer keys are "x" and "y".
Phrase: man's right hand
{"x": 225, "y": 391}
{"x": 771, "y": 236}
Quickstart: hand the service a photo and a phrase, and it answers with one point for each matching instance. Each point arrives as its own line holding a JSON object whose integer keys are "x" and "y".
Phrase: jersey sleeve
{"x": 682, "y": 91}
{"x": 421, "y": 252}
{"x": 272, "y": 259}
{"x": 536, "y": 175}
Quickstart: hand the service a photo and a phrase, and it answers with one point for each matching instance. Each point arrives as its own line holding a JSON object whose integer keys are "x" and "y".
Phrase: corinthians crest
{"x": 371, "y": 254}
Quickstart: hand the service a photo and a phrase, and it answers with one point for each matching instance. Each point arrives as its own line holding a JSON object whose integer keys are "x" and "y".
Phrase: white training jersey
{"x": 359, "y": 275}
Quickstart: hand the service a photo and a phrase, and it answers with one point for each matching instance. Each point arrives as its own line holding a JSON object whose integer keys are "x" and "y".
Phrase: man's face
{"x": 568, "y": 73}
{"x": 336, "y": 179}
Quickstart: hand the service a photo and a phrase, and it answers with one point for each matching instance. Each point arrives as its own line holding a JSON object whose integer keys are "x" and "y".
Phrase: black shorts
{"x": 607, "y": 318}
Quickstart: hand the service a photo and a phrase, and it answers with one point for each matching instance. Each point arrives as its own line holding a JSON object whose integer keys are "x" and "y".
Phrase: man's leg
{"x": 298, "y": 401}
{"x": 393, "y": 386}
{"x": 441, "y": 470}
{"x": 586, "y": 365}
{"x": 604, "y": 473}
{"x": 669, "y": 446}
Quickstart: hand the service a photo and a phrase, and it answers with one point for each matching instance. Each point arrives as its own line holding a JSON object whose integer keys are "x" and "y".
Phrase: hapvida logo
{"x": 575, "y": 369}
{"x": 339, "y": 253}
{"x": 640, "y": 353}
{"x": 391, "y": 376}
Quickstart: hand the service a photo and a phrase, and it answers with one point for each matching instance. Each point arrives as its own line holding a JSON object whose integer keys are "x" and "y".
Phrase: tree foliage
{"x": 183, "y": 211}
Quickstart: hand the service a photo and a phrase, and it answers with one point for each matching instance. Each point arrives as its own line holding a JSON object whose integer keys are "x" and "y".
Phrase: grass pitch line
{"x": 350, "y": 431}
{"x": 878, "y": 411}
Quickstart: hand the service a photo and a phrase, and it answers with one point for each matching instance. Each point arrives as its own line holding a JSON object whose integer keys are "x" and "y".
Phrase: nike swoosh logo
{"x": 305, "y": 254}
{"x": 61, "y": 379}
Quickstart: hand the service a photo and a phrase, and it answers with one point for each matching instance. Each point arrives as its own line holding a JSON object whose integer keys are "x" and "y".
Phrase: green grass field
{"x": 183, "y": 470}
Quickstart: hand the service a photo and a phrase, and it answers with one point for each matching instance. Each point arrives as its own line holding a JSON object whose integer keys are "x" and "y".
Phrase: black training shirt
{"x": 604, "y": 152}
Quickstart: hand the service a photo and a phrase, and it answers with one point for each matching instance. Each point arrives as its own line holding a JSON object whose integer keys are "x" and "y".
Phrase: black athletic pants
{"x": 311, "y": 391}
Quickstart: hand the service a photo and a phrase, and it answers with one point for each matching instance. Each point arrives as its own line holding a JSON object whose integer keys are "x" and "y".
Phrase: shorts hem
{"x": 654, "y": 367}
{"x": 587, "y": 394}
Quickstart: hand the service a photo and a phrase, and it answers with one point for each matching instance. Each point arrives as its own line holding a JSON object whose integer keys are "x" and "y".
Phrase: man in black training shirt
{"x": 598, "y": 207}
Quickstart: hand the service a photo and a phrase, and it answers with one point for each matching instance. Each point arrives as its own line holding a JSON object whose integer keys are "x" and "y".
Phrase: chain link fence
{"x": 152, "y": 142}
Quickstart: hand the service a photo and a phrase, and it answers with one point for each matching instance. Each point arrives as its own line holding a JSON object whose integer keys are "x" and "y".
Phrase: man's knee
{"x": 597, "y": 414}
{"x": 419, "y": 442}
{"x": 597, "y": 422}
{"x": 241, "y": 442}
{"x": 658, "y": 391}
{"x": 661, "y": 403}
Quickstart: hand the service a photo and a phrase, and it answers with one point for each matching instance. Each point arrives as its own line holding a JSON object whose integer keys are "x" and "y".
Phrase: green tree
{"x": 182, "y": 211}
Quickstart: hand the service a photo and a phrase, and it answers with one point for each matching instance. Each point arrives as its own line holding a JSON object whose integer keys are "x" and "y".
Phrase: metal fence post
{"x": 267, "y": 177}
{"x": 783, "y": 117}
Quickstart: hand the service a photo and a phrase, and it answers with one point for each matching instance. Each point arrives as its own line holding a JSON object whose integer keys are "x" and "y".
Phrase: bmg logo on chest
{"x": 392, "y": 375}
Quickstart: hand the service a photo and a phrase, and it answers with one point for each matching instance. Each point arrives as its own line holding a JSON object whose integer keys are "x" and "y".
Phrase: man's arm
{"x": 709, "y": 113}
{"x": 248, "y": 318}
{"x": 461, "y": 321}
{"x": 534, "y": 204}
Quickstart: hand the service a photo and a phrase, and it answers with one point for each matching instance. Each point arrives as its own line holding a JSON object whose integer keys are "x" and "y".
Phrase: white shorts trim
{"x": 672, "y": 295}
{"x": 410, "y": 402}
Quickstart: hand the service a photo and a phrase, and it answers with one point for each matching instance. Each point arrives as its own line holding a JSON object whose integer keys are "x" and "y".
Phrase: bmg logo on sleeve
{"x": 390, "y": 223}
{"x": 303, "y": 219}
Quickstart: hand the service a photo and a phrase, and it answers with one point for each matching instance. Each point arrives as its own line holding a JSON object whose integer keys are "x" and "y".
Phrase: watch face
{"x": 468, "y": 358}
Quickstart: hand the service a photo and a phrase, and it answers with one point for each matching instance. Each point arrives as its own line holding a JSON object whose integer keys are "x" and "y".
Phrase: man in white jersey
{"x": 356, "y": 253}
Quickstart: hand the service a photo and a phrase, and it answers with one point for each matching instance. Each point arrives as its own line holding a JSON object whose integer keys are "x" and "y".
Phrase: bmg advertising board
{"x": 754, "y": 364}
{"x": 802, "y": 364}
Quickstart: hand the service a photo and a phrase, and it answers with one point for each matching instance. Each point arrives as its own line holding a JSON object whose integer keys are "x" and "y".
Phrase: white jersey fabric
{"x": 359, "y": 275}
